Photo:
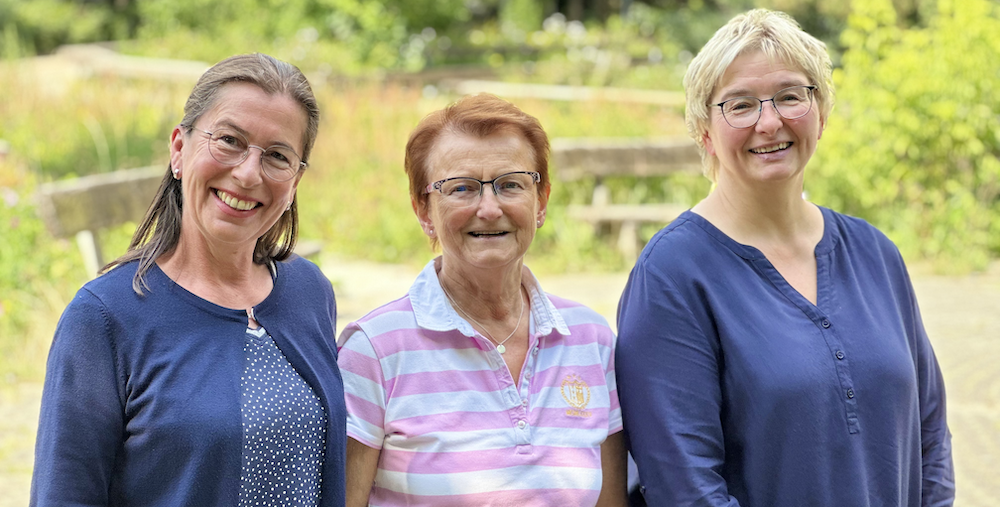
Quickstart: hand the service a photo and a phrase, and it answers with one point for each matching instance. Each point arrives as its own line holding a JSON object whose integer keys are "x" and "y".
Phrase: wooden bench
{"x": 578, "y": 158}
{"x": 85, "y": 206}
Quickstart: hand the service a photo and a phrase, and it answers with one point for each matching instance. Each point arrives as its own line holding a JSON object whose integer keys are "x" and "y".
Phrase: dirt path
{"x": 961, "y": 314}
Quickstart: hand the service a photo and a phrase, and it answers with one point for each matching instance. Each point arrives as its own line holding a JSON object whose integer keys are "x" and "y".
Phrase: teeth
{"x": 234, "y": 202}
{"x": 489, "y": 233}
{"x": 770, "y": 149}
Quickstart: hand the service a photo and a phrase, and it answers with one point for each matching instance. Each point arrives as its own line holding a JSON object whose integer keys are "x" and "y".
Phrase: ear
{"x": 176, "y": 144}
{"x": 707, "y": 141}
{"x": 295, "y": 185}
{"x": 423, "y": 216}
{"x": 822, "y": 127}
{"x": 543, "y": 201}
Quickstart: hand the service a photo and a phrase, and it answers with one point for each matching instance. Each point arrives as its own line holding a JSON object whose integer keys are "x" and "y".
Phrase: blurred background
{"x": 95, "y": 86}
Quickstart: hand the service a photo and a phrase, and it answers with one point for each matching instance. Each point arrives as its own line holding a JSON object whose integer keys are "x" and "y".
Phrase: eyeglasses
{"x": 464, "y": 192}
{"x": 791, "y": 103}
{"x": 280, "y": 163}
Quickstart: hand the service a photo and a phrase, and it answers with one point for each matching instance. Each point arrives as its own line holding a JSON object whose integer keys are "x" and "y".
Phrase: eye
{"x": 278, "y": 156}
{"x": 740, "y": 105}
{"x": 460, "y": 188}
{"x": 511, "y": 184}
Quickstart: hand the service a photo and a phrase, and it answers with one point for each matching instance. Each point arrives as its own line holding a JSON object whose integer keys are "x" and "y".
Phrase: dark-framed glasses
{"x": 790, "y": 103}
{"x": 229, "y": 147}
{"x": 509, "y": 187}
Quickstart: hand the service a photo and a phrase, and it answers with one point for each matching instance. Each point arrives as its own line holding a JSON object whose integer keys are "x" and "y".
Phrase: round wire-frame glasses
{"x": 229, "y": 147}
{"x": 790, "y": 103}
{"x": 466, "y": 191}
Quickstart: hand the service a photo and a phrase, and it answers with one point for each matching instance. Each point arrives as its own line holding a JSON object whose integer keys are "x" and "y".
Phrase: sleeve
{"x": 614, "y": 406}
{"x": 82, "y": 416}
{"x": 667, "y": 364}
{"x": 938, "y": 472}
{"x": 364, "y": 387}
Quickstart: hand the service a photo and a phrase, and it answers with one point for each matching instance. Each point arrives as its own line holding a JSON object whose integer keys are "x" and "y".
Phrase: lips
{"x": 770, "y": 149}
{"x": 487, "y": 234}
{"x": 233, "y": 202}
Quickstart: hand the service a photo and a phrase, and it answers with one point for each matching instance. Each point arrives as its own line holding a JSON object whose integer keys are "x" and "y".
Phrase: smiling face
{"x": 491, "y": 233}
{"x": 775, "y": 149}
{"x": 229, "y": 207}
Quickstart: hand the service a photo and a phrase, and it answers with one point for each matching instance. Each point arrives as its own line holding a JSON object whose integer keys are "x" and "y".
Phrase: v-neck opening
{"x": 766, "y": 269}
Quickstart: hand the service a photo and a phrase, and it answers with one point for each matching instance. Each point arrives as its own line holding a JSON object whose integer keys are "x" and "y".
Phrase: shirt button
{"x": 850, "y": 394}
{"x": 840, "y": 355}
{"x": 521, "y": 424}
{"x": 527, "y": 375}
{"x": 534, "y": 351}
{"x": 825, "y": 323}
{"x": 524, "y": 402}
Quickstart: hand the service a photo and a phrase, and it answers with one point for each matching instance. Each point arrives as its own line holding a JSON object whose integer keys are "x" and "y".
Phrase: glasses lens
{"x": 280, "y": 163}
{"x": 793, "y": 102}
{"x": 228, "y": 147}
{"x": 741, "y": 112}
{"x": 514, "y": 186}
{"x": 461, "y": 191}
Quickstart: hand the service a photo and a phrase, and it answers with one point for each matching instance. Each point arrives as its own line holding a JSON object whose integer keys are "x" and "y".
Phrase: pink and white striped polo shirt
{"x": 454, "y": 428}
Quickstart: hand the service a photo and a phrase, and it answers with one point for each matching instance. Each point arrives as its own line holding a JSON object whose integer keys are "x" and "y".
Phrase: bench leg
{"x": 628, "y": 240}
{"x": 91, "y": 251}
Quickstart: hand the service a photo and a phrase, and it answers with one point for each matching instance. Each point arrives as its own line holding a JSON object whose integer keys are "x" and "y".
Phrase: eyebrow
{"x": 744, "y": 92}
{"x": 224, "y": 123}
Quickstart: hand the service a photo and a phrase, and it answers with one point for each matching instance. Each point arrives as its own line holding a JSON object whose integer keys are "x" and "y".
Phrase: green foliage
{"x": 43, "y": 25}
{"x": 913, "y": 144}
{"x": 37, "y": 276}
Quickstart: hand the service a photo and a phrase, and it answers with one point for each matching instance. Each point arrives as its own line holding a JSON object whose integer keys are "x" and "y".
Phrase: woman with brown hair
{"x": 200, "y": 367}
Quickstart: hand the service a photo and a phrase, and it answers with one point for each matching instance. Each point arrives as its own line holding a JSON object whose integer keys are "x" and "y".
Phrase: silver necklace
{"x": 500, "y": 348}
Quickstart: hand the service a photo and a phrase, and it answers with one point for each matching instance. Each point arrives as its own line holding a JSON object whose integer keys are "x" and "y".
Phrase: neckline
{"x": 209, "y": 306}
{"x": 752, "y": 253}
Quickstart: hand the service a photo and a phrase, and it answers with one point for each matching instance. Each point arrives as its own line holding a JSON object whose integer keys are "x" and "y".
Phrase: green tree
{"x": 913, "y": 144}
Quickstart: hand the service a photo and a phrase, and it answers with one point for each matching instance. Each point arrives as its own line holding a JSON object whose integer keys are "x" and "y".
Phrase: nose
{"x": 248, "y": 172}
{"x": 489, "y": 205}
{"x": 770, "y": 121}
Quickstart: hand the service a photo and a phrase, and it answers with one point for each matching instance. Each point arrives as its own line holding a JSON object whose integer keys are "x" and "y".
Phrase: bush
{"x": 913, "y": 144}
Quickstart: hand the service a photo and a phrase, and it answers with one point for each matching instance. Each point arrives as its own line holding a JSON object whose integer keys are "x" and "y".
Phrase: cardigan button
{"x": 840, "y": 354}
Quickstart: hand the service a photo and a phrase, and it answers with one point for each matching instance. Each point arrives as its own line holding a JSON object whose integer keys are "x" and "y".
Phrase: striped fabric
{"x": 452, "y": 425}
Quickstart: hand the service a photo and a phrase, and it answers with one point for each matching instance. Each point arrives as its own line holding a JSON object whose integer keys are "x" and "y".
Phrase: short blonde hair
{"x": 778, "y": 37}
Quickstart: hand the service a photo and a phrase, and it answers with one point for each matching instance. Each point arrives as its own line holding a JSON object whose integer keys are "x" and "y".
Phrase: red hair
{"x": 479, "y": 116}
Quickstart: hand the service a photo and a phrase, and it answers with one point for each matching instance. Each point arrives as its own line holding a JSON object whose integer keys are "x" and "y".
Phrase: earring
{"x": 289, "y": 207}
{"x": 430, "y": 232}
{"x": 176, "y": 172}
{"x": 538, "y": 222}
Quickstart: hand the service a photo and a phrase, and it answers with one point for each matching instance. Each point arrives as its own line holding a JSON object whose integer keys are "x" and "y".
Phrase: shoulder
{"x": 381, "y": 326}
{"x": 858, "y": 238}
{"x": 301, "y": 270}
{"x": 575, "y": 313}
{"x": 585, "y": 324}
{"x": 687, "y": 252}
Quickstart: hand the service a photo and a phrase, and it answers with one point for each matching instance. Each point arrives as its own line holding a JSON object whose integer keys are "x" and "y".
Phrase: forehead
{"x": 265, "y": 118}
{"x": 457, "y": 154}
{"x": 755, "y": 74}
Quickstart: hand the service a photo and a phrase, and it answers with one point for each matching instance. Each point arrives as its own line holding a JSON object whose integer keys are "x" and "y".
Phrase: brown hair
{"x": 475, "y": 115}
{"x": 160, "y": 229}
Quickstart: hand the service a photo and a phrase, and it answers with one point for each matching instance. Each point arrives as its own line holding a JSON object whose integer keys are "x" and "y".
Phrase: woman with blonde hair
{"x": 771, "y": 351}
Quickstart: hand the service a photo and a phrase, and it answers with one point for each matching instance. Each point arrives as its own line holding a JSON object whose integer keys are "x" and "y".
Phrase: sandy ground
{"x": 962, "y": 316}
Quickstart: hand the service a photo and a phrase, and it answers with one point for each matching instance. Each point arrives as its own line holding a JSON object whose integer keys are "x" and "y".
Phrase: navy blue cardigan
{"x": 141, "y": 404}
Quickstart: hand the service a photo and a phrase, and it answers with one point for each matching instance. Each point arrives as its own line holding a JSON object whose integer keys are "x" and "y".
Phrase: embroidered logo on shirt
{"x": 576, "y": 392}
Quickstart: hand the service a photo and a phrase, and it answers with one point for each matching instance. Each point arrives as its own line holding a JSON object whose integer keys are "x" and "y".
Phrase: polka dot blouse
{"x": 284, "y": 429}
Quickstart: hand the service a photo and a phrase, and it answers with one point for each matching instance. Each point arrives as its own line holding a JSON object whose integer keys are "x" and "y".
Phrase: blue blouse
{"x": 284, "y": 429}
{"x": 736, "y": 390}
